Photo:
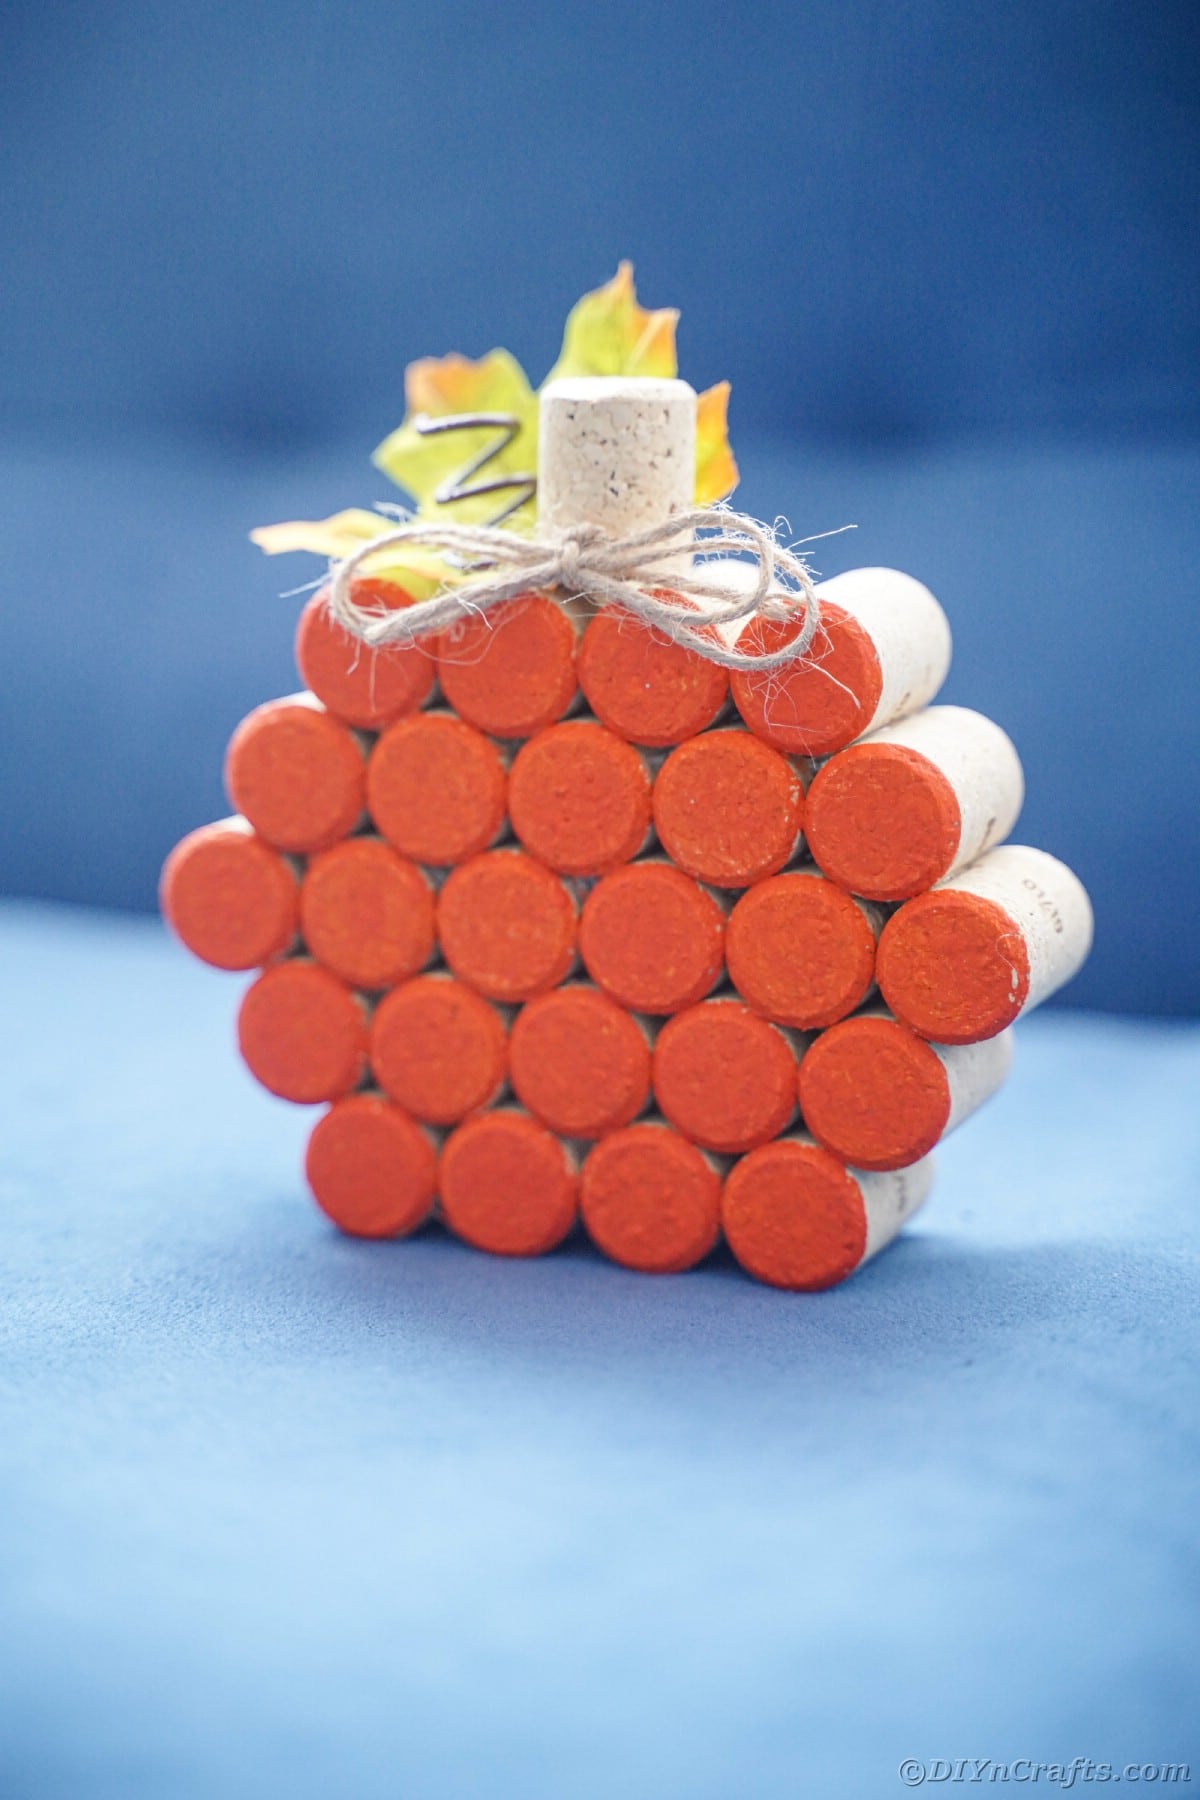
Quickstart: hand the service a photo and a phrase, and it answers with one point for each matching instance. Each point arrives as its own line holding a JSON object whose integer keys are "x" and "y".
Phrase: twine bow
{"x": 646, "y": 573}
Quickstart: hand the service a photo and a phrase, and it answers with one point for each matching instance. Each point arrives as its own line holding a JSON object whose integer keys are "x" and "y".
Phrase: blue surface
{"x": 284, "y": 1515}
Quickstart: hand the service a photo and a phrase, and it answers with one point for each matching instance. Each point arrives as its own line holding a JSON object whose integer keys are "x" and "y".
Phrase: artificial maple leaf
{"x": 424, "y": 464}
{"x": 608, "y": 333}
{"x": 419, "y": 571}
{"x": 716, "y": 470}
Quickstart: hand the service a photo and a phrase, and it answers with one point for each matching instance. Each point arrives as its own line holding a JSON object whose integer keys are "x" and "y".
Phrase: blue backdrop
{"x": 946, "y": 254}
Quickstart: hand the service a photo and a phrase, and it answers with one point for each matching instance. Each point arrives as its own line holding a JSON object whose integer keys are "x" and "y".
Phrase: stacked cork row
{"x": 560, "y": 921}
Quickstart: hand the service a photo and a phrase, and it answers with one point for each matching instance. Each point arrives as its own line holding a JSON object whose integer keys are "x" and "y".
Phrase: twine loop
{"x": 668, "y": 575}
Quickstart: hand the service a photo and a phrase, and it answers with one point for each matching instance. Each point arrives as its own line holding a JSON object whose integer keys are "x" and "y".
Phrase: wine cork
{"x": 367, "y": 913}
{"x": 963, "y": 961}
{"x": 643, "y": 686}
{"x": 796, "y": 1217}
{"x": 880, "y": 1097}
{"x": 511, "y": 672}
{"x": 725, "y": 1077}
{"x": 882, "y": 651}
{"x": 617, "y": 453}
{"x": 371, "y": 1169}
{"x": 359, "y": 685}
{"x": 801, "y": 950}
{"x": 914, "y": 802}
{"x": 229, "y": 897}
{"x": 650, "y": 1199}
{"x": 729, "y": 809}
{"x": 297, "y": 773}
{"x": 508, "y": 926}
{"x": 579, "y": 1062}
{"x": 507, "y": 1184}
{"x": 653, "y": 937}
{"x": 437, "y": 788}
{"x": 438, "y": 1048}
{"x": 303, "y": 1033}
{"x": 579, "y": 798}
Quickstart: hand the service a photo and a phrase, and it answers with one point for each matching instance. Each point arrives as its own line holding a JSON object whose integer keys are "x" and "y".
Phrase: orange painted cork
{"x": 880, "y": 1097}
{"x": 874, "y": 1094}
{"x": 960, "y": 963}
{"x": 883, "y": 822}
{"x": 729, "y": 809}
{"x": 724, "y": 1077}
{"x": 363, "y": 687}
{"x": 437, "y": 788}
{"x": 579, "y": 1062}
{"x": 800, "y": 950}
{"x": 796, "y": 1217}
{"x": 643, "y": 686}
{"x": 892, "y": 815}
{"x": 513, "y": 672}
{"x": 438, "y": 1048}
{"x": 650, "y": 1199}
{"x": 367, "y": 913}
{"x": 297, "y": 773}
{"x": 954, "y": 967}
{"x": 371, "y": 1170}
{"x": 507, "y": 1184}
{"x": 302, "y": 1033}
{"x": 508, "y": 926}
{"x": 229, "y": 897}
{"x": 653, "y": 937}
{"x": 882, "y": 650}
{"x": 826, "y": 702}
{"x": 579, "y": 798}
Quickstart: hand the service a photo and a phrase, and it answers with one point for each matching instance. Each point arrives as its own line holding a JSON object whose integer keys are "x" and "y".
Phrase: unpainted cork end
{"x": 615, "y": 451}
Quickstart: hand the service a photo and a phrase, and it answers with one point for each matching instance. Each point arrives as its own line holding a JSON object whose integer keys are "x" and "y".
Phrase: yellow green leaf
{"x": 427, "y": 465}
{"x": 716, "y": 471}
{"x": 420, "y": 571}
{"x": 608, "y": 333}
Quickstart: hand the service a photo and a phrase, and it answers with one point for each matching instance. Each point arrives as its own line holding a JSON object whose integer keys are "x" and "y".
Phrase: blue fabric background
{"x": 284, "y": 1515}
{"x": 946, "y": 254}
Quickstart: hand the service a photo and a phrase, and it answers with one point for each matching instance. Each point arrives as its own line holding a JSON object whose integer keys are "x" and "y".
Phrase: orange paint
{"x": 371, "y": 1169}
{"x": 883, "y": 821}
{"x": 579, "y": 798}
{"x": 650, "y": 1199}
{"x": 507, "y": 926}
{"x": 579, "y": 1062}
{"x": 728, "y": 809}
{"x": 513, "y": 672}
{"x": 874, "y": 1094}
{"x": 652, "y": 937}
{"x": 724, "y": 1077}
{"x": 363, "y": 687}
{"x": 437, "y": 788}
{"x": 794, "y": 1217}
{"x": 367, "y": 913}
{"x": 954, "y": 967}
{"x": 438, "y": 1049}
{"x": 302, "y": 1033}
{"x": 297, "y": 773}
{"x": 229, "y": 898}
{"x": 644, "y": 687}
{"x": 800, "y": 950}
{"x": 824, "y": 703}
{"x": 508, "y": 1185}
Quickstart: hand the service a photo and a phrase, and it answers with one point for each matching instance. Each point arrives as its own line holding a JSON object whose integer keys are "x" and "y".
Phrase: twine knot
{"x": 673, "y": 576}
